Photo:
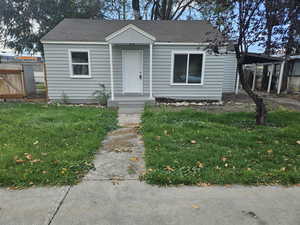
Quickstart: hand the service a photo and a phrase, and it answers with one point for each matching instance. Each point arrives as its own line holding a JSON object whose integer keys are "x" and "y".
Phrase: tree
{"x": 25, "y": 22}
{"x": 249, "y": 29}
{"x": 116, "y": 9}
{"x": 136, "y": 9}
{"x": 291, "y": 35}
{"x": 274, "y": 15}
{"x": 166, "y": 9}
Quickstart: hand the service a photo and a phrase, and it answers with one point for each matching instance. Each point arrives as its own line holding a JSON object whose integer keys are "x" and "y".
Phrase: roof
{"x": 88, "y": 30}
{"x": 252, "y": 58}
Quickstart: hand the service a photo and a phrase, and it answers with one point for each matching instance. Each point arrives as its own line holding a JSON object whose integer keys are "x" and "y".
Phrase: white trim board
{"x": 75, "y": 42}
{"x": 130, "y": 26}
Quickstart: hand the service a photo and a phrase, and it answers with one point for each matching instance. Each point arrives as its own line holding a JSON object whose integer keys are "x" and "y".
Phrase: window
{"x": 80, "y": 63}
{"x": 187, "y": 68}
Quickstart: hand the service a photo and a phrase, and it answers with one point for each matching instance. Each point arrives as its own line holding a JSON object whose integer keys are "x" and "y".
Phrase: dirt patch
{"x": 236, "y": 103}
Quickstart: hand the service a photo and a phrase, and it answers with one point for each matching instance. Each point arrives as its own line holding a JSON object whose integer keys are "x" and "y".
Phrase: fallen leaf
{"x": 226, "y": 165}
{"x": 270, "y": 151}
{"x": 157, "y": 138}
{"x": 249, "y": 169}
{"x": 19, "y": 160}
{"x": 200, "y": 164}
{"x": 195, "y": 206}
{"x": 36, "y": 142}
{"x": 223, "y": 159}
{"x": 298, "y": 142}
{"x": 44, "y": 172}
{"x": 35, "y": 161}
{"x": 283, "y": 169}
{"x": 193, "y": 142}
{"x": 169, "y": 168}
{"x": 44, "y": 153}
{"x": 28, "y": 156}
{"x": 203, "y": 184}
{"x": 134, "y": 159}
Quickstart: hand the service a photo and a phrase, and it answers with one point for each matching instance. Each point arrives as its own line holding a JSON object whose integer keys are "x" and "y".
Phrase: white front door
{"x": 132, "y": 61}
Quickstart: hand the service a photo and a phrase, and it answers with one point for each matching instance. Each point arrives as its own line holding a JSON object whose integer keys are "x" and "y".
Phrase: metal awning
{"x": 258, "y": 58}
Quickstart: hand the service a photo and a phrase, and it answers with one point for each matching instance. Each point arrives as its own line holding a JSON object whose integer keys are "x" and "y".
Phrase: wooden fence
{"x": 12, "y": 84}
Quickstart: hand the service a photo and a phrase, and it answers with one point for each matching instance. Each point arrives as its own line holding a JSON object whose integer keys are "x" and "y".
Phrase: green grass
{"x": 48, "y": 144}
{"x": 190, "y": 147}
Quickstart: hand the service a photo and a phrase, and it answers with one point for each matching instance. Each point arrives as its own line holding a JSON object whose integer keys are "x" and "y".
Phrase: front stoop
{"x": 130, "y": 105}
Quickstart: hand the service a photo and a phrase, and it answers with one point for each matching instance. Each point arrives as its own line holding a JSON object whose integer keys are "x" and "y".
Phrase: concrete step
{"x": 131, "y": 110}
{"x": 130, "y": 102}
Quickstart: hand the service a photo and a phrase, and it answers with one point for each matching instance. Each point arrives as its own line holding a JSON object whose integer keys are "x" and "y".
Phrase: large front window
{"x": 187, "y": 68}
{"x": 79, "y": 63}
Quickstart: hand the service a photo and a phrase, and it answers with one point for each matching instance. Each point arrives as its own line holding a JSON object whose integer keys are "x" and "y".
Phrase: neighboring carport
{"x": 255, "y": 61}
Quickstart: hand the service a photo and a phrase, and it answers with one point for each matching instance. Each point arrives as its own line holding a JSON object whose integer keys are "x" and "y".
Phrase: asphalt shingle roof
{"x": 164, "y": 31}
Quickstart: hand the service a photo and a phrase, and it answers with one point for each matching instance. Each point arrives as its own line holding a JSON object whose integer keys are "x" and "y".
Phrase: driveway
{"x": 113, "y": 195}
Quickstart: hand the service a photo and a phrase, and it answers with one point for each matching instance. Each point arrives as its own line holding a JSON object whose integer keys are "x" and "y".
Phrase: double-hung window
{"x": 80, "y": 63}
{"x": 187, "y": 68}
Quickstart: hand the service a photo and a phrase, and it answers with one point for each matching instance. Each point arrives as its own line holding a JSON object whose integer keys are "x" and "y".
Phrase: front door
{"x": 132, "y": 71}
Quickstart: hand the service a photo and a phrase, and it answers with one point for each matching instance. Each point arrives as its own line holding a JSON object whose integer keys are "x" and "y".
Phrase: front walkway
{"x": 113, "y": 195}
{"x": 121, "y": 156}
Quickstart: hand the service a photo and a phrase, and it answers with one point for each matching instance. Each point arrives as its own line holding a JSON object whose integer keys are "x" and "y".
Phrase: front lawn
{"x": 190, "y": 147}
{"x": 49, "y": 145}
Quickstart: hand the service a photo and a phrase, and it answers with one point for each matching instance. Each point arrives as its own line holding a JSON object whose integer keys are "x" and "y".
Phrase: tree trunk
{"x": 136, "y": 9}
{"x": 261, "y": 110}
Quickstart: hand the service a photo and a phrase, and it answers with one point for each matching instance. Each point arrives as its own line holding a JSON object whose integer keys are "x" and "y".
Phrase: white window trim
{"x": 188, "y": 53}
{"x": 71, "y": 63}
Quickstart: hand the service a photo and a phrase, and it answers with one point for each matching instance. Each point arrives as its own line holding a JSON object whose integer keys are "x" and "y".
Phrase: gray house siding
{"x": 80, "y": 90}
{"x": 229, "y": 73}
{"x": 162, "y": 69}
{"x": 77, "y": 89}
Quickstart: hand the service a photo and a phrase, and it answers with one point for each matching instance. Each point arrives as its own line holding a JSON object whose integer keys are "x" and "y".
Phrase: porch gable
{"x": 130, "y": 34}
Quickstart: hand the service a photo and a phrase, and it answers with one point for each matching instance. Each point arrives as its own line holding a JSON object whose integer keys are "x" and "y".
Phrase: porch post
{"x": 237, "y": 84}
{"x": 280, "y": 77}
{"x": 270, "y": 78}
{"x": 150, "y": 70}
{"x": 254, "y": 78}
{"x": 111, "y": 73}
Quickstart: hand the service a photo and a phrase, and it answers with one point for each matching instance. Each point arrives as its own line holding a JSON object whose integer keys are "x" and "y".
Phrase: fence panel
{"x": 11, "y": 83}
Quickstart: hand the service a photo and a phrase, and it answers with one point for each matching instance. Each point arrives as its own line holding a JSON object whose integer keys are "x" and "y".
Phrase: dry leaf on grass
{"x": 169, "y": 168}
{"x": 193, "y": 142}
{"x": 270, "y": 151}
{"x": 298, "y": 142}
{"x": 19, "y": 160}
{"x": 28, "y": 156}
{"x": 200, "y": 164}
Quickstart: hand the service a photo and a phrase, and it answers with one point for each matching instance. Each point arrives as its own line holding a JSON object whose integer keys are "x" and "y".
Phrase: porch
{"x": 130, "y": 57}
{"x": 130, "y": 104}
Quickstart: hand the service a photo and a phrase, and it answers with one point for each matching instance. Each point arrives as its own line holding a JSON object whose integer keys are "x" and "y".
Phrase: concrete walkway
{"x": 113, "y": 195}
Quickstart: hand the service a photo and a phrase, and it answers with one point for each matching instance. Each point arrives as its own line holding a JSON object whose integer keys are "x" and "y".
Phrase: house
{"x": 294, "y": 74}
{"x": 140, "y": 60}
